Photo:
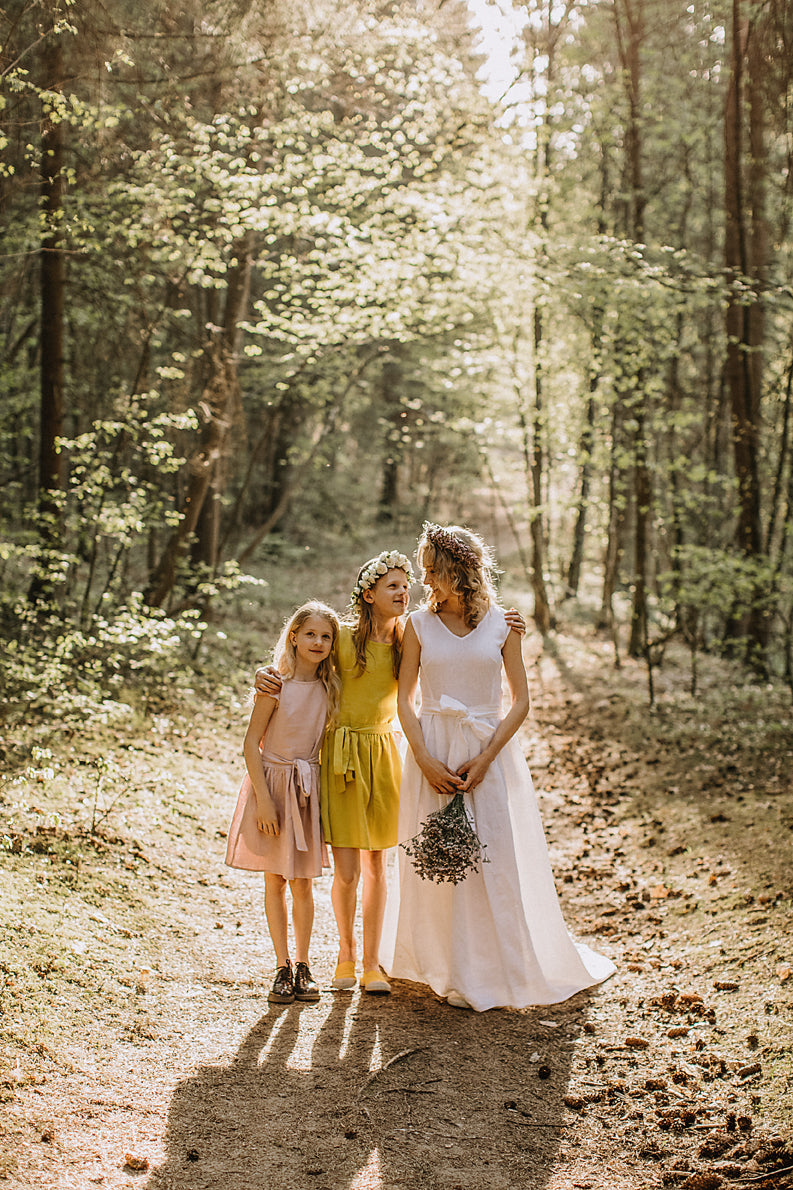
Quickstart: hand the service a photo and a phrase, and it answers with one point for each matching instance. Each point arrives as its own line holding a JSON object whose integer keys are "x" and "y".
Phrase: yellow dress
{"x": 360, "y": 767}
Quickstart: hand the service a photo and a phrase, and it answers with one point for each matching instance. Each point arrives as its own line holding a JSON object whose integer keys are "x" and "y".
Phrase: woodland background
{"x": 278, "y": 280}
{"x": 281, "y": 275}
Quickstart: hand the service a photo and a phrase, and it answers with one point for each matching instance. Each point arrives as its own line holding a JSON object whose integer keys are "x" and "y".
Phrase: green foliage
{"x": 711, "y": 594}
{"x": 47, "y": 662}
{"x": 716, "y": 585}
{"x": 320, "y": 284}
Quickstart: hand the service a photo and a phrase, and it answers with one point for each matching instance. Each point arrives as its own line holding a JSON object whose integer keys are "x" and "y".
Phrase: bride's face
{"x": 440, "y": 590}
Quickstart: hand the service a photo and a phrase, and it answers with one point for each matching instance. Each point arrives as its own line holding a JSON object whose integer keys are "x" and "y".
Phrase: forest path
{"x": 143, "y": 1036}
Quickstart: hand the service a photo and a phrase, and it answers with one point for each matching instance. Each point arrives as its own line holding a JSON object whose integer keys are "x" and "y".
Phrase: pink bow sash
{"x": 304, "y": 781}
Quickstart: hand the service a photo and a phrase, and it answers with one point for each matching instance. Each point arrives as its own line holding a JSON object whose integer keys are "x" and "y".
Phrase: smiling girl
{"x": 361, "y": 766}
{"x": 276, "y": 824}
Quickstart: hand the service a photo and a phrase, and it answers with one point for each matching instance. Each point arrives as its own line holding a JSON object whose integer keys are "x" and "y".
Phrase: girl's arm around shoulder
{"x": 515, "y": 621}
{"x": 515, "y": 671}
{"x": 267, "y": 680}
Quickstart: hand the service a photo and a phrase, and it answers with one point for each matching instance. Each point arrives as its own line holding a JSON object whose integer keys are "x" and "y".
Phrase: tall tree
{"x": 629, "y": 22}
{"x": 745, "y": 242}
{"x": 52, "y": 282}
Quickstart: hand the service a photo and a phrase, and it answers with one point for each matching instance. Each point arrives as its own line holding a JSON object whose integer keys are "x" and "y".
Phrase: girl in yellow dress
{"x": 360, "y": 770}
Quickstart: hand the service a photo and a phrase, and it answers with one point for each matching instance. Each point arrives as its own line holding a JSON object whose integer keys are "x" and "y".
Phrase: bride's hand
{"x": 441, "y": 778}
{"x": 472, "y": 773}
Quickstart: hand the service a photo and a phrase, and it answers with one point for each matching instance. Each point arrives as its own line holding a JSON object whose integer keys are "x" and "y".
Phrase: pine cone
{"x": 715, "y": 1145}
{"x": 703, "y": 1181}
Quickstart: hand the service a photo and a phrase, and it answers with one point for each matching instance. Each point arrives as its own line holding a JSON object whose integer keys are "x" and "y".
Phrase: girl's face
{"x": 390, "y": 595}
{"x": 313, "y": 640}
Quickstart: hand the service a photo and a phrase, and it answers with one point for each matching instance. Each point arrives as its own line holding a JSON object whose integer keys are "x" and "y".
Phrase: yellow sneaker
{"x": 344, "y": 975}
{"x": 376, "y": 983}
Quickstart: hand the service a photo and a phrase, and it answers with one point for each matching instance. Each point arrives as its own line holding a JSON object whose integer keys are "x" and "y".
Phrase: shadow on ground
{"x": 360, "y": 1092}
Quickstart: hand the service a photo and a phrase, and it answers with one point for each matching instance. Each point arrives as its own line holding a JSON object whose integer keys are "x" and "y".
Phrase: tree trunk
{"x": 585, "y": 447}
{"x": 739, "y": 370}
{"x": 542, "y": 609}
{"x": 745, "y": 248}
{"x": 629, "y": 17}
{"x": 615, "y": 546}
{"x": 206, "y": 545}
{"x": 52, "y": 286}
{"x": 642, "y": 494}
{"x": 218, "y": 400}
{"x": 534, "y": 426}
{"x": 220, "y": 404}
{"x": 784, "y": 451}
{"x": 587, "y": 440}
{"x": 390, "y": 389}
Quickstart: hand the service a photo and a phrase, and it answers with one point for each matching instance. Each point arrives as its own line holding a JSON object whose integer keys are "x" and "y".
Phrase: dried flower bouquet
{"x": 447, "y": 847}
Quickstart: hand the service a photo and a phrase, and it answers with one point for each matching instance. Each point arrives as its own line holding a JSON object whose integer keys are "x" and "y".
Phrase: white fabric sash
{"x": 479, "y": 722}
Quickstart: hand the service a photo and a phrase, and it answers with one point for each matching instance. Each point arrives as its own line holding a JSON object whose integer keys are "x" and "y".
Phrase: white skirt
{"x": 498, "y": 937}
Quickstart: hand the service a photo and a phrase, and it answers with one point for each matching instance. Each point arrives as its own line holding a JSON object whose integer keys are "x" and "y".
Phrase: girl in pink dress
{"x": 276, "y": 826}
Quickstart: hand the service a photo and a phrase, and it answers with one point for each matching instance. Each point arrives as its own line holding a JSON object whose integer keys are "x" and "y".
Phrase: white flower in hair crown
{"x": 388, "y": 560}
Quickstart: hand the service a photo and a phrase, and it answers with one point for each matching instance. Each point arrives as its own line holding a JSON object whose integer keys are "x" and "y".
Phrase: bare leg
{"x": 302, "y": 915}
{"x": 373, "y": 905}
{"x": 275, "y": 912}
{"x": 346, "y": 873}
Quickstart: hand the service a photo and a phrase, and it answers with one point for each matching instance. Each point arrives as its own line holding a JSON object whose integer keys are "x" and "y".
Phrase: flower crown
{"x": 443, "y": 539}
{"x": 388, "y": 560}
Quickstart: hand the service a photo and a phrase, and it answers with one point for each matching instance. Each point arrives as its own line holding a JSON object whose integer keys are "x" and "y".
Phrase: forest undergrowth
{"x": 138, "y": 1047}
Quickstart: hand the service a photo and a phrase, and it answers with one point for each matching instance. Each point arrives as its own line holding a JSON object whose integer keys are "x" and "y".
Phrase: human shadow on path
{"x": 372, "y": 1092}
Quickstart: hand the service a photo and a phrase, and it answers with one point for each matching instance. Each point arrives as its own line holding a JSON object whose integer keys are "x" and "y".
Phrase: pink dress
{"x": 290, "y": 759}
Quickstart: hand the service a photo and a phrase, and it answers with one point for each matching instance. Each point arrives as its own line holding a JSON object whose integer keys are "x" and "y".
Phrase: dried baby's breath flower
{"x": 447, "y": 847}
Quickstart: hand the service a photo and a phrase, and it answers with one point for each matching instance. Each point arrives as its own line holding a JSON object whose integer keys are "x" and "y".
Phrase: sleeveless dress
{"x": 361, "y": 766}
{"x": 498, "y": 937}
{"x": 290, "y": 759}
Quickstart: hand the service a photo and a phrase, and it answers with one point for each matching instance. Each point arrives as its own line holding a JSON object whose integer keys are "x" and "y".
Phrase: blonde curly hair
{"x": 463, "y": 562}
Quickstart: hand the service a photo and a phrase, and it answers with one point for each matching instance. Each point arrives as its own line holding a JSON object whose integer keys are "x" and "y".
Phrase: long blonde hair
{"x": 361, "y": 621}
{"x": 464, "y": 563}
{"x": 285, "y": 658}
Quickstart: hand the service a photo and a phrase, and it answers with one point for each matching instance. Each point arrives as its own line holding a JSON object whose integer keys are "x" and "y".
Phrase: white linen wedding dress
{"x": 498, "y": 937}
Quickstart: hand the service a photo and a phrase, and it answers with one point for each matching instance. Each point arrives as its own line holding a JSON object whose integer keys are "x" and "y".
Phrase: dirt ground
{"x": 139, "y": 1048}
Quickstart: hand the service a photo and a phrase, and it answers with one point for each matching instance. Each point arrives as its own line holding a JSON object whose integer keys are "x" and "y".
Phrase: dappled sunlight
{"x": 370, "y": 1176}
{"x": 280, "y": 283}
{"x": 349, "y": 1020}
{"x": 271, "y": 1040}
